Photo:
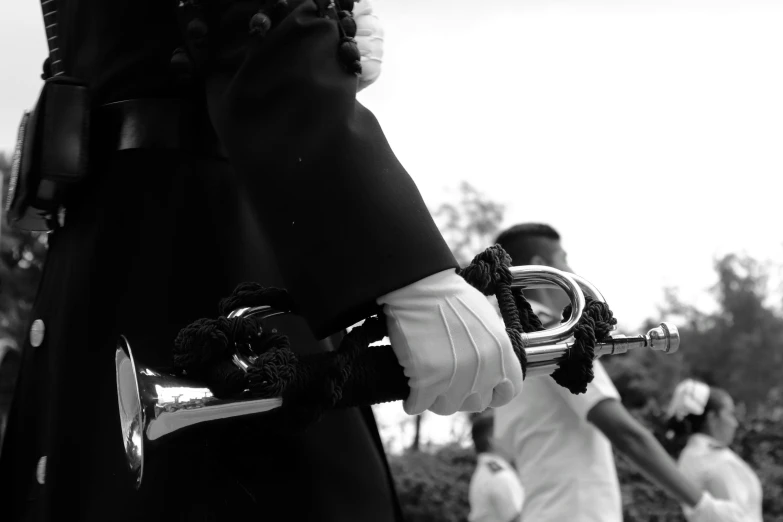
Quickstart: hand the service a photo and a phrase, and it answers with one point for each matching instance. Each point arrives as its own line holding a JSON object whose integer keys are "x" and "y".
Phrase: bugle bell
{"x": 154, "y": 405}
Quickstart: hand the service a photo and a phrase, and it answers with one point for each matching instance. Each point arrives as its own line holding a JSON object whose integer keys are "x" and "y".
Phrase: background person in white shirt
{"x": 705, "y": 415}
{"x": 495, "y": 492}
{"x": 562, "y": 442}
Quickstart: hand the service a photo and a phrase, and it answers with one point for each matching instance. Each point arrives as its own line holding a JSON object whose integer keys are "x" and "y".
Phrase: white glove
{"x": 369, "y": 39}
{"x": 710, "y": 509}
{"x": 453, "y": 346}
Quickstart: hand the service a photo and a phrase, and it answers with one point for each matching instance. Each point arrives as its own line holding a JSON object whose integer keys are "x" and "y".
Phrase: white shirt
{"x": 495, "y": 492}
{"x": 718, "y": 470}
{"x": 565, "y": 464}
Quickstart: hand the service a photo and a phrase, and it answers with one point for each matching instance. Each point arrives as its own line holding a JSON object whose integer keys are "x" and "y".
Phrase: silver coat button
{"x": 37, "y": 333}
{"x": 40, "y": 471}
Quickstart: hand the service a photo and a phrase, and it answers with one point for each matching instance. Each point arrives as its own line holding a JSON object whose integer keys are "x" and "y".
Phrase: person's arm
{"x": 346, "y": 223}
{"x": 601, "y": 405}
{"x": 344, "y": 219}
{"x": 632, "y": 439}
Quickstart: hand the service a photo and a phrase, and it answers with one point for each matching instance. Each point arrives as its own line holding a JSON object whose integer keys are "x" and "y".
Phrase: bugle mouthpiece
{"x": 664, "y": 338}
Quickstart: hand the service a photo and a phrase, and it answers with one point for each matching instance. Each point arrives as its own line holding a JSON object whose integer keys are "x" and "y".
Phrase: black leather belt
{"x": 153, "y": 123}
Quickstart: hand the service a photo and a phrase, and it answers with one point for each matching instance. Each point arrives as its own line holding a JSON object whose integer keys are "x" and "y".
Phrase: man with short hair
{"x": 495, "y": 492}
{"x": 562, "y": 442}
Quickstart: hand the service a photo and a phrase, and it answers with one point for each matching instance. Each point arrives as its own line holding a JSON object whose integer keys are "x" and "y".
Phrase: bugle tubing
{"x": 154, "y": 405}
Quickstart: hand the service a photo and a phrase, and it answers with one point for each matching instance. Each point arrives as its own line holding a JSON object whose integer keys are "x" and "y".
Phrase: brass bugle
{"x": 154, "y": 405}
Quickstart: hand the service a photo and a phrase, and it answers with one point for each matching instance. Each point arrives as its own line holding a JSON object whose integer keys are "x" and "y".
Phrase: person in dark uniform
{"x": 227, "y": 145}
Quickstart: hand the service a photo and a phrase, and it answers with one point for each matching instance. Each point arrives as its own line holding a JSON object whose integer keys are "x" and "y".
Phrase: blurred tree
{"x": 433, "y": 487}
{"x": 21, "y": 263}
{"x": 745, "y": 349}
{"x": 469, "y": 224}
{"x": 22, "y": 257}
{"x": 738, "y": 347}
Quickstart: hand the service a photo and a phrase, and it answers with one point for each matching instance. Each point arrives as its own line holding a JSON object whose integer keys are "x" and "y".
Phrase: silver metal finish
{"x": 153, "y": 405}
{"x": 529, "y": 277}
{"x": 530, "y": 283}
{"x": 131, "y": 411}
{"x": 665, "y": 338}
{"x": 244, "y": 356}
{"x": 543, "y": 360}
{"x": 588, "y": 288}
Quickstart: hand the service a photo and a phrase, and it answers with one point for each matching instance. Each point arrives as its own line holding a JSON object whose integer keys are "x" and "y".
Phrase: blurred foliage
{"x": 433, "y": 487}
{"x": 470, "y": 224}
{"x": 738, "y": 347}
{"x": 22, "y": 257}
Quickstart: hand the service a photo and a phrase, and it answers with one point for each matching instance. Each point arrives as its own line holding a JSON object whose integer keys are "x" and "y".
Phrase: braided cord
{"x": 355, "y": 374}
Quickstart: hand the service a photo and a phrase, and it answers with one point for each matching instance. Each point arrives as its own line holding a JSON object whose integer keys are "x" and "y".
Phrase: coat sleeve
{"x": 345, "y": 220}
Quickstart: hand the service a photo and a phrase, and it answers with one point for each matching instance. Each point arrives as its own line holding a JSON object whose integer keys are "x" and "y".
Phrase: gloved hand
{"x": 369, "y": 39}
{"x": 710, "y": 509}
{"x": 452, "y": 345}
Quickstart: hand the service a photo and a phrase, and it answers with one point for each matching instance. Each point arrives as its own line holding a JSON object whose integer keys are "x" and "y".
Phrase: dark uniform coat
{"x": 310, "y": 197}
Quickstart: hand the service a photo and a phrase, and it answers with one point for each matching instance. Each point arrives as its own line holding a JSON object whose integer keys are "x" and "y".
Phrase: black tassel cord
{"x": 356, "y": 374}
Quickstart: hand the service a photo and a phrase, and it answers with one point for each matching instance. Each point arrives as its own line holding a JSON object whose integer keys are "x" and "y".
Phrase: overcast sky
{"x": 649, "y": 133}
